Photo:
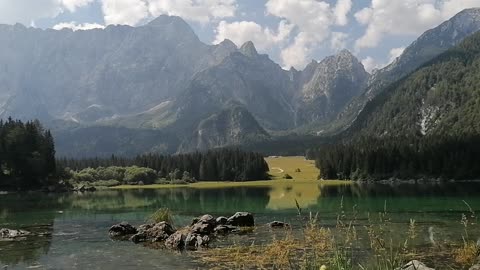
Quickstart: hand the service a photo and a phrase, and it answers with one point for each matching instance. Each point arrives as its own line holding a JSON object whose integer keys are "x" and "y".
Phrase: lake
{"x": 74, "y": 226}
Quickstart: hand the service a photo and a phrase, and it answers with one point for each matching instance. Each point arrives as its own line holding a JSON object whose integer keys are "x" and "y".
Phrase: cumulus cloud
{"x": 129, "y": 12}
{"x": 75, "y": 26}
{"x": 314, "y": 20}
{"x": 27, "y": 11}
{"x": 241, "y": 32}
{"x": 338, "y": 41}
{"x": 405, "y": 17}
{"x": 395, "y": 53}
{"x": 195, "y": 10}
{"x": 371, "y": 64}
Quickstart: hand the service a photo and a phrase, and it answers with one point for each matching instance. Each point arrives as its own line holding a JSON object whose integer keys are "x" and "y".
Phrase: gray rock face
{"x": 241, "y": 219}
{"x": 121, "y": 230}
{"x": 334, "y": 82}
{"x": 221, "y": 220}
{"x": 13, "y": 234}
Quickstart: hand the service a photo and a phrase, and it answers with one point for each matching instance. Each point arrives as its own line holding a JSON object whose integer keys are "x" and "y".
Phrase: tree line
{"x": 27, "y": 154}
{"x": 370, "y": 158}
{"x": 214, "y": 165}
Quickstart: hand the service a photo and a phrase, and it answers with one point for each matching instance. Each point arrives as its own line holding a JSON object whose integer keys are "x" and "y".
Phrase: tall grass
{"x": 162, "y": 214}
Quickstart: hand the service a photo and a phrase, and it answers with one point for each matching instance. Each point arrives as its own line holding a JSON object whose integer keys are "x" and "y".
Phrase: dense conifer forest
{"x": 27, "y": 154}
{"x": 400, "y": 157}
{"x": 215, "y": 165}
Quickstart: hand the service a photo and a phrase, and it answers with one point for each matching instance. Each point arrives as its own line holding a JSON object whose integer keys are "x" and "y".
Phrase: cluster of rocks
{"x": 199, "y": 234}
{"x": 8, "y": 234}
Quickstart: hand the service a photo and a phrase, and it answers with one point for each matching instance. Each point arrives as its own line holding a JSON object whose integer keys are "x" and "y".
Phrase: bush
{"x": 162, "y": 214}
{"x": 106, "y": 183}
{"x": 137, "y": 174}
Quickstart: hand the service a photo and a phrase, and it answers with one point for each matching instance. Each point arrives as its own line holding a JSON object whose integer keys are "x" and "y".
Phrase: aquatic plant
{"x": 162, "y": 214}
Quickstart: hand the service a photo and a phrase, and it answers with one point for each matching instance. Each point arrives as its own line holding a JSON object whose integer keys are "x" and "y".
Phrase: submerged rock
{"x": 278, "y": 224}
{"x": 12, "y": 234}
{"x": 153, "y": 232}
{"x": 416, "y": 265}
{"x": 241, "y": 219}
{"x": 122, "y": 229}
{"x": 225, "y": 229}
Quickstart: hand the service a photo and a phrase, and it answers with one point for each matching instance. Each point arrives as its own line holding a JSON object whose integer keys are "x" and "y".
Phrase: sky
{"x": 292, "y": 32}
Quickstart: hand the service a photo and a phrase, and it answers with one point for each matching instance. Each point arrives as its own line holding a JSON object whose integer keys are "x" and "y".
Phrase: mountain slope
{"x": 441, "y": 98}
{"x": 429, "y": 45}
{"x": 99, "y": 73}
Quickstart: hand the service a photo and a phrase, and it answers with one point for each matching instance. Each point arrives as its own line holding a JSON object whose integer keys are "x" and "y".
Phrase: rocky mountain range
{"x": 160, "y": 84}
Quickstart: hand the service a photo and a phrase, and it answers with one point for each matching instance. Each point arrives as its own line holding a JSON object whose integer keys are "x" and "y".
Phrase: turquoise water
{"x": 73, "y": 227}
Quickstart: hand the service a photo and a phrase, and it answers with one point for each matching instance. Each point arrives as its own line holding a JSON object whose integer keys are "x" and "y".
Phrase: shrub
{"x": 162, "y": 214}
{"x": 136, "y": 174}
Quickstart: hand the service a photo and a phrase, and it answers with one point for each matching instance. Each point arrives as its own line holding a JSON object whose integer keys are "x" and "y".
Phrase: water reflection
{"x": 73, "y": 225}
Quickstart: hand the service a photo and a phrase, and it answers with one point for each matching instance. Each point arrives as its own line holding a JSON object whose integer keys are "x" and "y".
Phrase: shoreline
{"x": 260, "y": 183}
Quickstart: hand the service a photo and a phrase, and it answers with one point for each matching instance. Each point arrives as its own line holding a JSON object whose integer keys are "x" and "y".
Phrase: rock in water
{"x": 415, "y": 265}
{"x": 153, "y": 232}
{"x": 221, "y": 220}
{"x": 12, "y": 234}
{"x": 225, "y": 229}
{"x": 241, "y": 219}
{"x": 176, "y": 241}
{"x": 278, "y": 224}
{"x": 122, "y": 229}
{"x": 204, "y": 225}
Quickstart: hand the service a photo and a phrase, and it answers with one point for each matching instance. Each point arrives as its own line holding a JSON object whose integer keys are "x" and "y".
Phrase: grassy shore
{"x": 302, "y": 171}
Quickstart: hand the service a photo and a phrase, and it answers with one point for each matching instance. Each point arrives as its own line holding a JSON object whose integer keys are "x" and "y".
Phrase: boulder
{"x": 221, "y": 220}
{"x": 225, "y": 229}
{"x": 13, "y": 234}
{"x": 204, "y": 225}
{"x": 278, "y": 224}
{"x": 415, "y": 265}
{"x": 153, "y": 232}
{"x": 176, "y": 241}
{"x": 241, "y": 219}
{"x": 194, "y": 241}
{"x": 121, "y": 230}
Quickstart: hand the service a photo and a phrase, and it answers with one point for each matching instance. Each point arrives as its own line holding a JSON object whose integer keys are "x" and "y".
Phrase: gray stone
{"x": 153, "y": 232}
{"x": 415, "y": 265}
{"x": 224, "y": 229}
{"x": 12, "y": 234}
{"x": 204, "y": 225}
{"x": 122, "y": 229}
{"x": 176, "y": 241}
{"x": 221, "y": 220}
{"x": 241, "y": 219}
{"x": 278, "y": 224}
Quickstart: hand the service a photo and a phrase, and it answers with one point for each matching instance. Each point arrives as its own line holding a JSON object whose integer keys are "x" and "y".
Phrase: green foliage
{"x": 218, "y": 165}
{"x": 27, "y": 155}
{"x": 162, "y": 214}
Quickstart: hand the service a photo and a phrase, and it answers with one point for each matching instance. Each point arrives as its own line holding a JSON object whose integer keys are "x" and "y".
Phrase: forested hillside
{"x": 427, "y": 124}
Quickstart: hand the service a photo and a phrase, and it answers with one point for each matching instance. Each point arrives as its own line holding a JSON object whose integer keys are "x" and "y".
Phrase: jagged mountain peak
{"x": 248, "y": 49}
{"x": 164, "y": 20}
{"x": 228, "y": 44}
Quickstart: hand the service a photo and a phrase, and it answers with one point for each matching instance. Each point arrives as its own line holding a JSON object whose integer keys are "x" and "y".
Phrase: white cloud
{"x": 405, "y": 17}
{"x": 75, "y": 27}
{"x": 128, "y": 12}
{"x": 241, "y": 32}
{"x": 338, "y": 41}
{"x": 27, "y": 11}
{"x": 370, "y": 64}
{"x": 314, "y": 20}
{"x": 395, "y": 53}
{"x": 194, "y": 10}
{"x": 72, "y": 5}
{"x": 132, "y": 12}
